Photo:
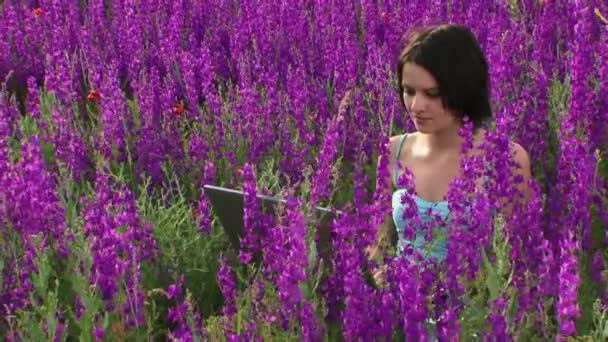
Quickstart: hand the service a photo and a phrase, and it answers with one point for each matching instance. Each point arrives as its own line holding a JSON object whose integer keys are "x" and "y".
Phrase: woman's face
{"x": 423, "y": 100}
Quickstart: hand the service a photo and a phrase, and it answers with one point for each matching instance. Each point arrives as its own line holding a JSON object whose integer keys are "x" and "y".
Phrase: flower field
{"x": 115, "y": 113}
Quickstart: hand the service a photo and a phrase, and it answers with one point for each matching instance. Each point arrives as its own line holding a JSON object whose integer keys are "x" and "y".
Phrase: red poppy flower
{"x": 179, "y": 109}
{"x": 93, "y": 95}
{"x": 387, "y": 17}
{"x": 600, "y": 15}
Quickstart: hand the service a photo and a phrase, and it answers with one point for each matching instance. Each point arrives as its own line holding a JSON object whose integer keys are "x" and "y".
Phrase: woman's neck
{"x": 446, "y": 140}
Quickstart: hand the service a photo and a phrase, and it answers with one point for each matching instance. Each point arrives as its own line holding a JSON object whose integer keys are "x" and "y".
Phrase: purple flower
{"x": 119, "y": 241}
{"x": 99, "y": 333}
{"x": 583, "y": 100}
{"x": 498, "y": 320}
{"x": 203, "y": 211}
{"x": 114, "y": 115}
{"x": 150, "y": 151}
{"x": 175, "y": 290}
{"x": 199, "y": 147}
{"x": 567, "y": 305}
{"x": 321, "y": 178}
{"x": 249, "y": 241}
{"x": 544, "y": 56}
{"x": 79, "y": 307}
{"x": 228, "y": 285}
{"x": 599, "y": 131}
{"x": 286, "y": 265}
{"x": 59, "y": 332}
{"x": 597, "y": 267}
{"x": 177, "y": 313}
{"x": 409, "y": 283}
{"x": 33, "y": 209}
{"x": 33, "y": 99}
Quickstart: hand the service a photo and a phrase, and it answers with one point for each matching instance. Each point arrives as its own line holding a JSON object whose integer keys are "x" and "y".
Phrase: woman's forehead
{"x": 415, "y": 76}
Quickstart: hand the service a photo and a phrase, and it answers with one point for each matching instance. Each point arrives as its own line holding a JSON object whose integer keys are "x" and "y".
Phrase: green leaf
{"x": 28, "y": 126}
{"x": 312, "y": 254}
{"x": 512, "y": 307}
{"x": 492, "y": 280}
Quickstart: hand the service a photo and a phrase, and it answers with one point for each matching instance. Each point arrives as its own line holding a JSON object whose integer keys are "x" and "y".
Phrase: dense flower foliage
{"x": 114, "y": 114}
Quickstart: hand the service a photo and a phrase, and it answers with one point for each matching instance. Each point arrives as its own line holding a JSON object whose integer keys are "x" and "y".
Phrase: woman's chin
{"x": 423, "y": 129}
{"x": 423, "y": 125}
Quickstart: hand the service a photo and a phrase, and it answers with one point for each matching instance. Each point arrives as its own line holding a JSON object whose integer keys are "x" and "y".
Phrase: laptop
{"x": 228, "y": 206}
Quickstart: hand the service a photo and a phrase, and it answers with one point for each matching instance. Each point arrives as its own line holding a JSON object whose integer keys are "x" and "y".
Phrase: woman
{"x": 443, "y": 77}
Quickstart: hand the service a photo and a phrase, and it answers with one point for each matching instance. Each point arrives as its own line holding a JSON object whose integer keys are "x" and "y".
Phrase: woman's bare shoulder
{"x": 392, "y": 149}
{"x": 395, "y": 140}
{"x": 522, "y": 159}
{"x": 393, "y": 146}
{"x": 394, "y": 143}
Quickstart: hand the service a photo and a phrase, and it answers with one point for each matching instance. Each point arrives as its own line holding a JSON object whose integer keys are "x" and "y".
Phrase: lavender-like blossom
{"x": 228, "y": 285}
{"x": 583, "y": 103}
{"x": 203, "y": 211}
{"x": 119, "y": 243}
{"x": 286, "y": 263}
{"x": 321, "y": 178}
{"x": 114, "y": 112}
{"x": 250, "y": 242}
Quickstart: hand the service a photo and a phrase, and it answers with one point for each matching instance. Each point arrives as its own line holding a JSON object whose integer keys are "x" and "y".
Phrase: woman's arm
{"x": 385, "y": 232}
{"x": 522, "y": 173}
{"x": 384, "y": 239}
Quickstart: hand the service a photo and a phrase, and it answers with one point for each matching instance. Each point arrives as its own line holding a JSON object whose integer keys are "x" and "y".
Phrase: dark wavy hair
{"x": 453, "y": 56}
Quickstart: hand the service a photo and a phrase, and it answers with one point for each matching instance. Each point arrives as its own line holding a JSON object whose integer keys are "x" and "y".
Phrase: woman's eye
{"x": 409, "y": 92}
{"x": 433, "y": 95}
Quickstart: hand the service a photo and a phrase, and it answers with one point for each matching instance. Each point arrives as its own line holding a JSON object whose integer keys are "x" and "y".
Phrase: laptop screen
{"x": 228, "y": 206}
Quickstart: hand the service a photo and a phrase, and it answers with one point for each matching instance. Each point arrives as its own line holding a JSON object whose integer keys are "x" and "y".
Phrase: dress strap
{"x": 396, "y": 170}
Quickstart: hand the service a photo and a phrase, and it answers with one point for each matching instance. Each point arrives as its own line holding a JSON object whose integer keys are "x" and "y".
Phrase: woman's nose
{"x": 418, "y": 103}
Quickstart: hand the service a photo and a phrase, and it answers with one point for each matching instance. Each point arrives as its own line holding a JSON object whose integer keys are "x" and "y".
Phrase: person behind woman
{"x": 443, "y": 77}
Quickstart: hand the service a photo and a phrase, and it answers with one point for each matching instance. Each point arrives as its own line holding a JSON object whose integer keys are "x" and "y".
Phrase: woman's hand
{"x": 346, "y": 101}
{"x": 379, "y": 276}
